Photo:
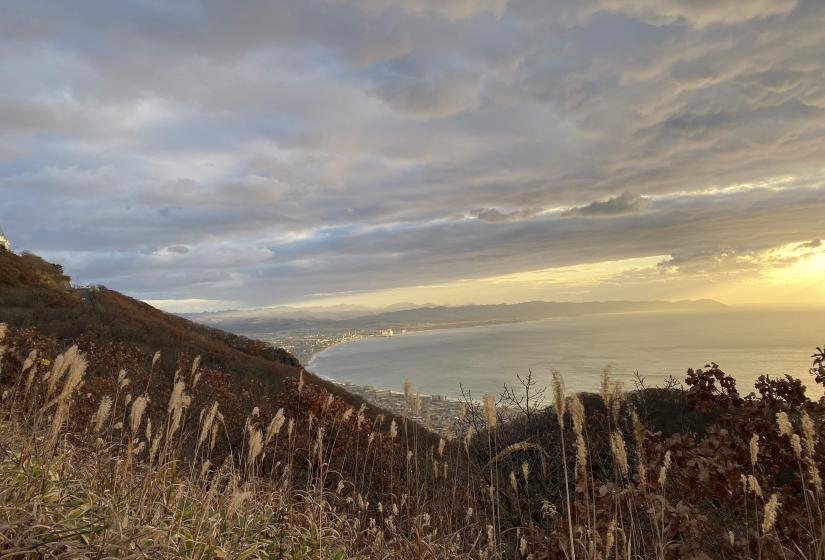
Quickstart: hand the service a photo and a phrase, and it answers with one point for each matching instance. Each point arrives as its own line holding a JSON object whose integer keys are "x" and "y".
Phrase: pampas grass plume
{"x": 136, "y": 413}
{"x": 275, "y": 425}
{"x": 753, "y": 485}
{"x": 754, "y": 449}
{"x": 206, "y": 427}
{"x": 239, "y": 496}
{"x": 796, "y": 445}
{"x": 101, "y": 414}
{"x": 617, "y": 446}
{"x": 255, "y": 446}
{"x": 771, "y": 509}
{"x": 558, "y": 396}
{"x": 664, "y": 468}
{"x": 783, "y": 424}
{"x": 490, "y": 410}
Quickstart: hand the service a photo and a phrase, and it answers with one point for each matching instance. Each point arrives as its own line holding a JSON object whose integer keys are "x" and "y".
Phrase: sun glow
{"x": 787, "y": 274}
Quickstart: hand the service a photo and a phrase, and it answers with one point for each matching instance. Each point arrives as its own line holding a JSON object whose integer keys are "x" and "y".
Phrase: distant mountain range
{"x": 422, "y": 317}
{"x": 330, "y": 312}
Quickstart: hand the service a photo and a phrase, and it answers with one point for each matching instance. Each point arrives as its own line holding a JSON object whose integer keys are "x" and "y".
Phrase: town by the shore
{"x": 435, "y": 412}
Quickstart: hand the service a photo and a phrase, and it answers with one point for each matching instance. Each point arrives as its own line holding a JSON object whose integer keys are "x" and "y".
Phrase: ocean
{"x": 745, "y": 343}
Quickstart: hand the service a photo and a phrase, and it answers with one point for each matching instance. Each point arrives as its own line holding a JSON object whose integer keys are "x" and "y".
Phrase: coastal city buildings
{"x": 435, "y": 412}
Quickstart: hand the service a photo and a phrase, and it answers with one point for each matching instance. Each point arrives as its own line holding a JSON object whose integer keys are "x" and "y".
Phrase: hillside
{"x": 117, "y": 331}
{"x": 34, "y": 292}
{"x": 101, "y": 458}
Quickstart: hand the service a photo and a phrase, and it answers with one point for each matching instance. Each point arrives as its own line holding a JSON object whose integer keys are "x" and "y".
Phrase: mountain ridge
{"x": 443, "y": 315}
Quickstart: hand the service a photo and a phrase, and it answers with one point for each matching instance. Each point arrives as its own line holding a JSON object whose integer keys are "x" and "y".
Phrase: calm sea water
{"x": 745, "y": 343}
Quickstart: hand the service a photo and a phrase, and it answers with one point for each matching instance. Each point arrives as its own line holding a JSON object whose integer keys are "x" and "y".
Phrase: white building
{"x": 4, "y": 243}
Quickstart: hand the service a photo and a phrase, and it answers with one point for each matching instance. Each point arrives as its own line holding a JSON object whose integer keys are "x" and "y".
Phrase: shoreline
{"x": 471, "y": 325}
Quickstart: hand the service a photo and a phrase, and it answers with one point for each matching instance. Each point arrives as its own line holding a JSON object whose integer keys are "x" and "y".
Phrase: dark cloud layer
{"x": 267, "y": 151}
{"x": 625, "y": 203}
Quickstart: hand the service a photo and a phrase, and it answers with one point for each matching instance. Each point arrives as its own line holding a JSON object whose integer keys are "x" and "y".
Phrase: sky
{"x": 204, "y": 154}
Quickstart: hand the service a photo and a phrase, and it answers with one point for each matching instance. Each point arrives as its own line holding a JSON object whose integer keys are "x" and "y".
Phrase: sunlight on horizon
{"x": 778, "y": 276}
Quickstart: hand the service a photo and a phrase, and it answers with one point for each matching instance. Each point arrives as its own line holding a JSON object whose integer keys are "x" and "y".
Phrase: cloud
{"x": 428, "y": 95}
{"x": 625, "y": 203}
{"x": 813, "y": 244}
{"x": 730, "y": 262}
{"x": 497, "y": 216}
{"x": 457, "y": 9}
{"x": 662, "y": 12}
{"x": 319, "y": 146}
{"x": 178, "y": 249}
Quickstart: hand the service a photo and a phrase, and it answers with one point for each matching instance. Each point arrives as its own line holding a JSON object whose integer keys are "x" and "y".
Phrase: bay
{"x": 744, "y": 342}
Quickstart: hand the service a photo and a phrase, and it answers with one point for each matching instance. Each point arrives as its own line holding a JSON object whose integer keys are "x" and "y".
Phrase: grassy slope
{"x": 36, "y": 293}
{"x": 116, "y": 331}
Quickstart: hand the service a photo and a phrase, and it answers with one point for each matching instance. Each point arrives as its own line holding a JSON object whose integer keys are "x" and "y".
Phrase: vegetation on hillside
{"x": 116, "y": 332}
{"x": 128, "y": 432}
{"x": 658, "y": 473}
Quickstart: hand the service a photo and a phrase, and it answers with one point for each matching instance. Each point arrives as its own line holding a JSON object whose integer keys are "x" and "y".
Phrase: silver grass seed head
{"x": 796, "y": 445}
{"x": 255, "y": 446}
{"x": 558, "y": 396}
{"x": 606, "y": 393}
{"x": 237, "y": 499}
{"x": 275, "y": 425}
{"x": 29, "y": 360}
{"x": 783, "y": 423}
{"x": 490, "y": 410}
{"x": 754, "y": 449}
{"x": 753, "y": 485}
{"x": 576, "y": 413}
{"x": 101, "y": 414}
{"x": 771, "y": 509}
{"x": 809, "y": 432}
{"x": 178, "y": 399}
{"x": 617, "y": 446}
{"x": 664, "y": 468}
{"x": 814, "y": 476}
{"x": 136, "y": 413}
{"x": 206, "y": 427}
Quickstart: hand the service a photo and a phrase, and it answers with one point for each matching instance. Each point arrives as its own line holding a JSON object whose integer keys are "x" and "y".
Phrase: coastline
{"x": 476, "y": 324}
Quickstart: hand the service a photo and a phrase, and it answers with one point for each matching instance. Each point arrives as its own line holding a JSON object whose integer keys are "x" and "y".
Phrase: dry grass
{"x": 166, "y": 475}
{"x": 126, "y": 484}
